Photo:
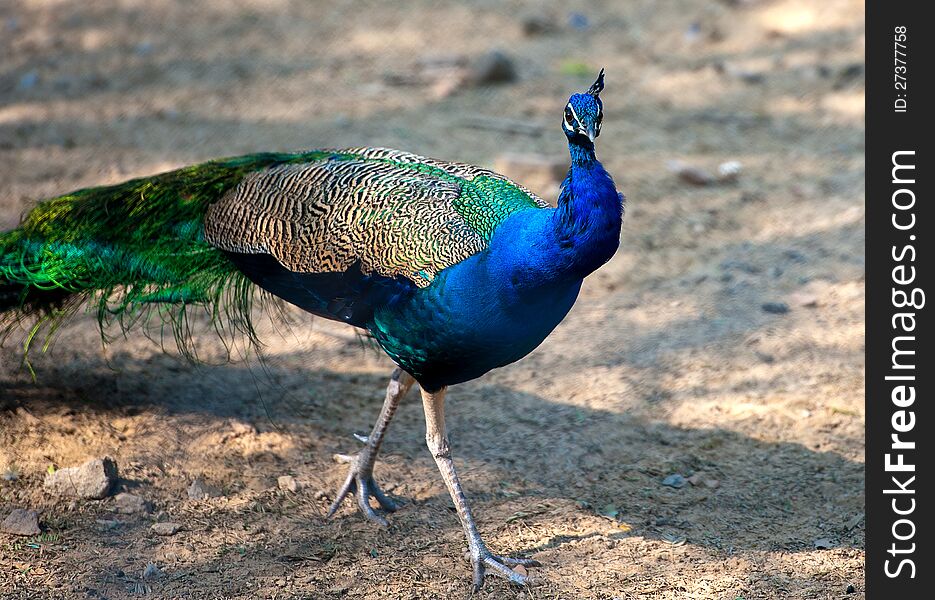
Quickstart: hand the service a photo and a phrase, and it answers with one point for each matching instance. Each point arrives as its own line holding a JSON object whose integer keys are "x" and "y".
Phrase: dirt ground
{"x": 668, "y": 364}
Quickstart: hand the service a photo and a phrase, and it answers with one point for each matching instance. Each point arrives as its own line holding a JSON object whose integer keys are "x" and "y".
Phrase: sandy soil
{"x": 667, "y": 365}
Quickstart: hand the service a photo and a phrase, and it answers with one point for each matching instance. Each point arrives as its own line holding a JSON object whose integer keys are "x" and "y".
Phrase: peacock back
{"x": 395, "y": 214}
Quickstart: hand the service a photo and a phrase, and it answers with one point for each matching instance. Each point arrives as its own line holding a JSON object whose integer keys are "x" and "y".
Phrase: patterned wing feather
{"x": 394, "y": 213}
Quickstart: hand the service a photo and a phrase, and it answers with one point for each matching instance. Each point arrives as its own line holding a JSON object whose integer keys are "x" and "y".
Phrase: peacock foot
{"x": 482, "y": 560}
{"x": 360, "y": 480}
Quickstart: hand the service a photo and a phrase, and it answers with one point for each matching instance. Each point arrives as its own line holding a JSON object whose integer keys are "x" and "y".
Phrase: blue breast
{"x": 485, "y": 312}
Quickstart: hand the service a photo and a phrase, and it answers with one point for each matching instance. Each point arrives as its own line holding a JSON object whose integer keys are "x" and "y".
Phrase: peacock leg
{"x": 437, "y": 439}
{"x": 360, "y": 474}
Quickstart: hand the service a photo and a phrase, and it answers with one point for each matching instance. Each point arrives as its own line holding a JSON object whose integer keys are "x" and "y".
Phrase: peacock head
{"x": 584, "y": 113}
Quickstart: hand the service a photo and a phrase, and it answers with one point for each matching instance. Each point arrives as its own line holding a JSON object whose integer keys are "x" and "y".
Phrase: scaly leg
{"x": 360, "y": 475}
{"x": 437, "y": 439}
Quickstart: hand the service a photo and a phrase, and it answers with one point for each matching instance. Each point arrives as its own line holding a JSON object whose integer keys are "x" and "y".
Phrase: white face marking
{"x": 573, "y": 113}
{"x": 565, "y": 124}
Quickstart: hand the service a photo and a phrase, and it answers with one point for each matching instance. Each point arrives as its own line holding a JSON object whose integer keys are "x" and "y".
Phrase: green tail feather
{"x": 135, "y": 250}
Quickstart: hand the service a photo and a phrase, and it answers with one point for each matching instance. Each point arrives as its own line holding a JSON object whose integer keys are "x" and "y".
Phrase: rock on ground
{"x": 130, "y": 504}
{"x": 675, "y": 481}
{"x": 166, "y": 528}
{"x": 538, "y": 25}
{"x": 289, "y": 483}
{"x": 775, "y": 308}
{"x": 151, "y": 571}
{"x": 493, "y": 67}
{"x": 689, "y": 174}
{"x": 93, "y": 479}
{"x": 21, "y": 522}
{"x": 199, "y": 490}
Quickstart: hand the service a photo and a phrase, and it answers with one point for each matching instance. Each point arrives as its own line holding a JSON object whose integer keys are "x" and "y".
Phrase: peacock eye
{"x": 568, "y": 115}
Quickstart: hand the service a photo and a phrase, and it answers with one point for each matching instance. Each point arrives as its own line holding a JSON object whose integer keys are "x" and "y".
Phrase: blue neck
{"x": 589, "y": 214}
{"x": 582, "y": 151}
{"x": 540, "y": 249}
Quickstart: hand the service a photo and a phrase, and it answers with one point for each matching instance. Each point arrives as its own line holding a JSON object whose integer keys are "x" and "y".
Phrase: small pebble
{"x": 823, "y": 544}
{"x": 579, "y": 21}
{"x": 804, "y": 299}
{"x": 21, "y": 522}
{"x": 166, "y": 528}
{"x": 675, "y": 481}
{"x": 199, "y": 490}
{"x": 151, "y": 571}
{"x": 692, "y": 33}
{"x": 493, "y": 67}
{"x": 131, "y": 504}
{"x": 728, "y": 172}
{"x": 690, "y": 174}
{"x": 538, "y": 25}
{"x": 520, "y": 570}
{"x": 750, "y": 77}
{"x": 28, "y": 81}
{"x": 289, "y": 483}
{"x": 765, "y": 358}
{"x": 108, "y": 524}
{"x": 775, "y": 308}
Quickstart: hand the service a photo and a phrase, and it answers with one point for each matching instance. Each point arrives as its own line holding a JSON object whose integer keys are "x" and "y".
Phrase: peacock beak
{"x": 590, "y": 131}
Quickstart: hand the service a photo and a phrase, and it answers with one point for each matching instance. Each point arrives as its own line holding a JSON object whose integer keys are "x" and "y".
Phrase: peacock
{"x": 452, "y": 269}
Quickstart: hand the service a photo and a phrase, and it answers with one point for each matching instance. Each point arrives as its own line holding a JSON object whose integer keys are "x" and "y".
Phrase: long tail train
{"x": 129, "y": 250}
